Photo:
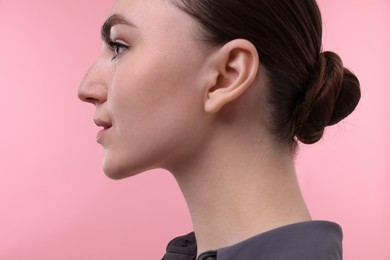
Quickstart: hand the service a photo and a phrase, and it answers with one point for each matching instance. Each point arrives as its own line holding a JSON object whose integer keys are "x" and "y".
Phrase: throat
{"x": 229, "y": 208}
{"x": 238, "y": 188}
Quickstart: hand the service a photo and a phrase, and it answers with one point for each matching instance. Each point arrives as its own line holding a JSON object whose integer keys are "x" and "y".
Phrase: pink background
{"x": 55, "y": 202}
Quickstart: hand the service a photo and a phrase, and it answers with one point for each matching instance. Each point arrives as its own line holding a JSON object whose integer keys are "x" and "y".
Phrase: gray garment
{"x": 310, "y": 240}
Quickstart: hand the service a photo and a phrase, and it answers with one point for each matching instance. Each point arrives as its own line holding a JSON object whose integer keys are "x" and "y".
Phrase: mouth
{"x": 102, "y": 123}
{"x": 106, "y": 125}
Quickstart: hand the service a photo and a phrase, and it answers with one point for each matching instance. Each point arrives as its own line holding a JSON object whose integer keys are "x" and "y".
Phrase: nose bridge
{"x": 93, "y": 87}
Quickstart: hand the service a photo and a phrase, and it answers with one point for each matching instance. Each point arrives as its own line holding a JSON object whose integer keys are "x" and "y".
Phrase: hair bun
{"x": 333, "y": 96}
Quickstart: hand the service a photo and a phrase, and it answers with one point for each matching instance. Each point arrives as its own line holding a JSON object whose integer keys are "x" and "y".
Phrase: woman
{"x": 219, "y": 93}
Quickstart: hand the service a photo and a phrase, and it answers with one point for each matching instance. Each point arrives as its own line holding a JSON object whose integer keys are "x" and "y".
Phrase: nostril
{"x": 90, "y": 100}
{"x": 85, "y": 98}
{"x": 92, "y": 92}
{"x": 88, "y": 97}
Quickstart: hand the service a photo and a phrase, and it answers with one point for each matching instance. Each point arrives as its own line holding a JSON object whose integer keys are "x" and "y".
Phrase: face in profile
{"x": 145, "y": 86}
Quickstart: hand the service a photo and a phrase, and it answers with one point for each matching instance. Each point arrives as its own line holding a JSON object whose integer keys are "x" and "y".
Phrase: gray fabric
{"x": 319, "y": 240}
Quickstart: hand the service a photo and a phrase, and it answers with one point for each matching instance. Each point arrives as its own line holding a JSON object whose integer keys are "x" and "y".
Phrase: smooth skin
{"x": 168, "y": 100}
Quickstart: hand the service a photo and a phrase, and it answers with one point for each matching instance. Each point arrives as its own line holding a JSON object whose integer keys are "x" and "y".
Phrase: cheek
{"x": 154, "y": 111}
{"x": 151, "y": 96}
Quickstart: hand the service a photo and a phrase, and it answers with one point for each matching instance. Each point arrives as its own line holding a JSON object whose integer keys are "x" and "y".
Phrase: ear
{"x": 236, "y": 65}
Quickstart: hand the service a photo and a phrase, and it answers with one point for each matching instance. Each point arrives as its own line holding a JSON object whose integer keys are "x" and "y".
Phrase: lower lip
{"x": 101, "y": 133}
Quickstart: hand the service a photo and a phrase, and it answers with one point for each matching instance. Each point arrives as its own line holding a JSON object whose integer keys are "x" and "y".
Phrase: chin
{"x": 113, "y": 176}
{"x": 117, "y": 173}
{"x": 116, "y": 170}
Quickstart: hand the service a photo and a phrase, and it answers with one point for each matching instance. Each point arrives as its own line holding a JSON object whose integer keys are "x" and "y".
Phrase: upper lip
{"x": 102, "y": 123}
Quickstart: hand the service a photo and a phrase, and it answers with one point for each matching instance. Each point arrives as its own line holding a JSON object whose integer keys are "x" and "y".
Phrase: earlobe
{"x": 237, "y": 65}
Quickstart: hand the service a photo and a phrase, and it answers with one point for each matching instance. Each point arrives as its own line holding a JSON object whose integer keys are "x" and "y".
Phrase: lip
{"x": 106, "y": 126}
{"x": 100, "y": 134}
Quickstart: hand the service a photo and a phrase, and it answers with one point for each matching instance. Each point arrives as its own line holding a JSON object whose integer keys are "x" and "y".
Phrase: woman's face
{"x": 147, "y": 88}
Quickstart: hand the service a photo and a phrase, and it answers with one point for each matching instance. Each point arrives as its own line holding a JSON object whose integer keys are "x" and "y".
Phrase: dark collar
{"x": 304, "y": 241}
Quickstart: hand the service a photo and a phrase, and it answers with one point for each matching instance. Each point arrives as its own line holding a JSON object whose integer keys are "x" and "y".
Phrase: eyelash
{"x": 115, "y": 47}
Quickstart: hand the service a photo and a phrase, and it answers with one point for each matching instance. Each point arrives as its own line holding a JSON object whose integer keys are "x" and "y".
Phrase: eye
{"x": 117, "y": 48}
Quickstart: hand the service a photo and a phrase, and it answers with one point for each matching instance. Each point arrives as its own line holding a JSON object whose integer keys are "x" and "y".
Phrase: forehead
{"x": 153, "y": 16}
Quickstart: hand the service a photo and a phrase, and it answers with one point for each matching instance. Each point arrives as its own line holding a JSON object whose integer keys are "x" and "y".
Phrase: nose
{"x": 93, "y": 87}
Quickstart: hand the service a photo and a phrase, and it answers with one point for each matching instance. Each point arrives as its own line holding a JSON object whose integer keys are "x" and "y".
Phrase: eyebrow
{"x": 110, "y": 22}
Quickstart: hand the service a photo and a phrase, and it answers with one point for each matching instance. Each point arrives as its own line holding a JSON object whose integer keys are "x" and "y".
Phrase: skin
{"x": 171, "y": 101}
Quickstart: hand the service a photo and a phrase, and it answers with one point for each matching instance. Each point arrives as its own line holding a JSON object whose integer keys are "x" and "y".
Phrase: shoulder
{"x": 305, "y": 241}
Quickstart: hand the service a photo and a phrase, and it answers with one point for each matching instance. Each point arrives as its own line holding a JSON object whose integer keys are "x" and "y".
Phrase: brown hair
{"x": 308, "y": 89}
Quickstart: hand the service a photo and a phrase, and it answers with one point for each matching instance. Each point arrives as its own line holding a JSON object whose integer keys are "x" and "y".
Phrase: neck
{"x": 244, "y": 190}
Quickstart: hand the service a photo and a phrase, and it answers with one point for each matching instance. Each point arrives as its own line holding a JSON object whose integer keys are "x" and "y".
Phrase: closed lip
{"x": 102, "y": 123}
